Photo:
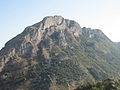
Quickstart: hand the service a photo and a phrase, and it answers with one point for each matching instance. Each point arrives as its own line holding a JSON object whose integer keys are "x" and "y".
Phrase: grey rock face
{"x": 91, "y": 33}
{"x": 41, "y": 35}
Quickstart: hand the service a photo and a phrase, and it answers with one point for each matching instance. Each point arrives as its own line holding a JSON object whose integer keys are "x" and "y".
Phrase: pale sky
{"x": 15, "y": 15}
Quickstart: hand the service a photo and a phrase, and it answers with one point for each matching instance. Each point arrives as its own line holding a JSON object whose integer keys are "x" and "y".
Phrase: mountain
{"x": 57, "y": 54}
{"x": 118, "y": 44}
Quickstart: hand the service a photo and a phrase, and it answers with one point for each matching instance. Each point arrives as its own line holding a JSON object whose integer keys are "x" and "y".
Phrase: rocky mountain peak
{"x": 52, "y": 30}
{"x": 49, "y": 21}
{"x": 52, "y": 21}
{"x": 57, "y": 52}
{"x": 57, "y": 23}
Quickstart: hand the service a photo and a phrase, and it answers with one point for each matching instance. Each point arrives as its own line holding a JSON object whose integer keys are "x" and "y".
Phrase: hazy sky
{"x": 15, "y": 15}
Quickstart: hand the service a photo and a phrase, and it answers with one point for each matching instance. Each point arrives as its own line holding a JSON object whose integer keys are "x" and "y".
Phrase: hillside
{"x": 57, "y": 54}
{"x": 108, "y": 84}
{"x": 117, "y": 43}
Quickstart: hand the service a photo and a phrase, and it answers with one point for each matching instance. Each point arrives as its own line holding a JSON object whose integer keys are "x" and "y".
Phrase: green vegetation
{"x": 108, "y": 84}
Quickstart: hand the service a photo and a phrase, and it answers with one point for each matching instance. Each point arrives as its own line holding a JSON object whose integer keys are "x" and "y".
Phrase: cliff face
{"x": 57, "y": 53}
{"x": 28, "y": 42}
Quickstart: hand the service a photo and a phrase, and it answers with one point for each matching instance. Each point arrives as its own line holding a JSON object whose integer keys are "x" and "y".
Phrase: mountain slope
{"x": 117, "y": 43}
{"x": 57, "y": 53}
{"x": 108, "y": 84}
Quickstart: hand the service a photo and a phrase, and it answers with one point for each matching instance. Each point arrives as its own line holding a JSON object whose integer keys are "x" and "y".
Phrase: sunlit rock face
{"x": 50, "y": 27}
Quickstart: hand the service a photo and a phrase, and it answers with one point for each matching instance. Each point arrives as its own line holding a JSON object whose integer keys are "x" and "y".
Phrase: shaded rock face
{"x": 57, "y": 53}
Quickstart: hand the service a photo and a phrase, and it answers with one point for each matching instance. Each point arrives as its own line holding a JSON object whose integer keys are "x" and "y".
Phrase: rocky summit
{"x": 57, "y": 54}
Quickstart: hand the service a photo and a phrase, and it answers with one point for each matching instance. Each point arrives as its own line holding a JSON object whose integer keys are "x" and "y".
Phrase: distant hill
{"x": 57, "y": 54}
